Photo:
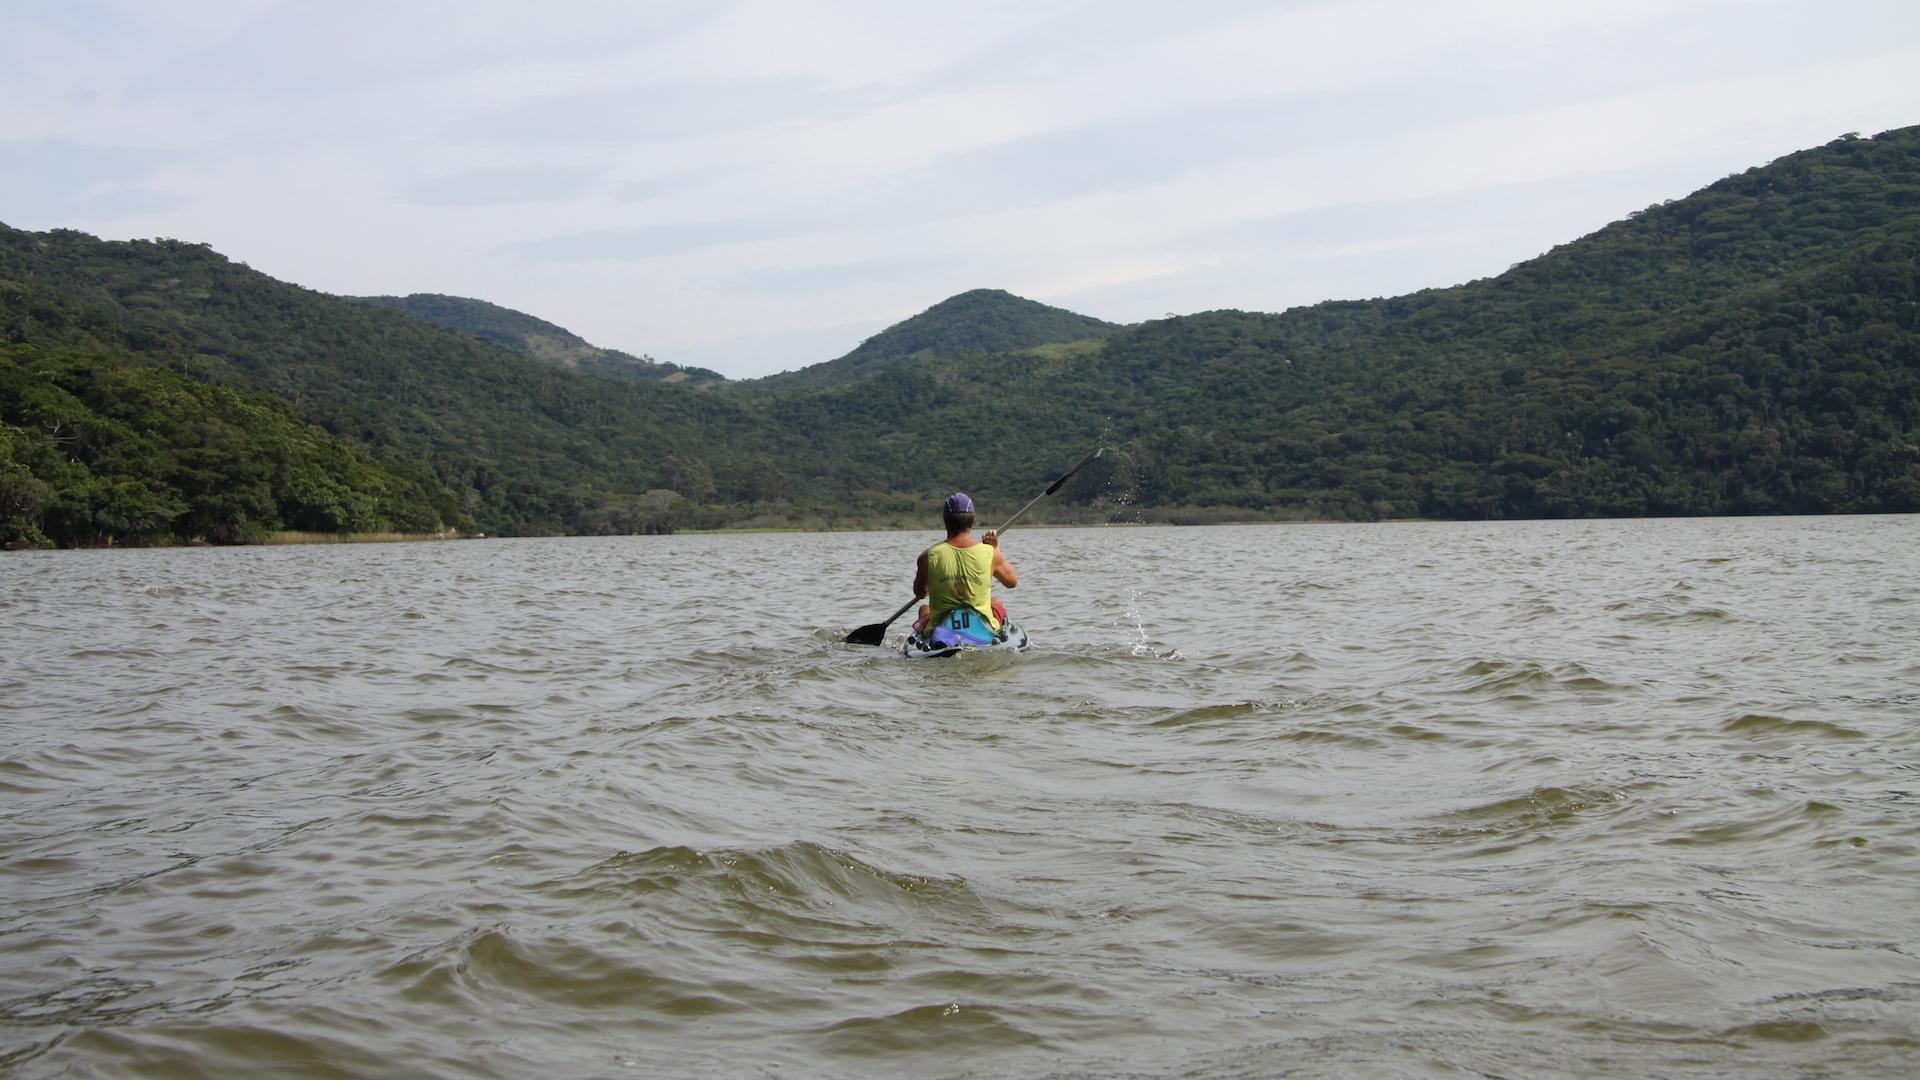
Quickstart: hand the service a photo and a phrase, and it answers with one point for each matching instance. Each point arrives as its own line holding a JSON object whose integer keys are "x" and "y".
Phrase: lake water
{"x": 1522, "y": 799}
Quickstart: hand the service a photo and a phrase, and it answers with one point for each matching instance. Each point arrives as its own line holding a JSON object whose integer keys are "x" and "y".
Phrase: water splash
{"x": 1119, "y": 499}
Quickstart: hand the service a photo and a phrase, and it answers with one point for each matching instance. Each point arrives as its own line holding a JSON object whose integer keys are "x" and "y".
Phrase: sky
{"x": 757, "y": 186}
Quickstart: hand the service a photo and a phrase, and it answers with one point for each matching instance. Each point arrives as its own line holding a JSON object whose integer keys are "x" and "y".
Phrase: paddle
{"x": 875, "y": 633}
{"x": 1051, "y": 488}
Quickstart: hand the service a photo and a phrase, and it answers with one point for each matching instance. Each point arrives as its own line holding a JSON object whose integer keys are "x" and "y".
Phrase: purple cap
{"x": 958, "y": 503}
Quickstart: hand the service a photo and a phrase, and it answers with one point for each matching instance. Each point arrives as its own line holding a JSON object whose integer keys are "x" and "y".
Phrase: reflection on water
{"x": 1515, "y": 799}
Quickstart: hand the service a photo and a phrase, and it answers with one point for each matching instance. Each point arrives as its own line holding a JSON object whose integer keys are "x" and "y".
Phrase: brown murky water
{"x": 1540, "y": 799}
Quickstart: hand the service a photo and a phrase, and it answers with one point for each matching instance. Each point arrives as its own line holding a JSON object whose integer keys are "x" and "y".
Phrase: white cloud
{"x": 803, "y": 157}
{"x": 837, "y": 44}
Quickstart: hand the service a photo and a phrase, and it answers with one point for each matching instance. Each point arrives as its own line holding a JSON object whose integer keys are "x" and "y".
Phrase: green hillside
{"x": 1751, "y": 348}
{"x": 103, "y": 441}
{"x": 980, "y": 321}
{"x": 522, "y": 446}
{"x": 538, "y": 338}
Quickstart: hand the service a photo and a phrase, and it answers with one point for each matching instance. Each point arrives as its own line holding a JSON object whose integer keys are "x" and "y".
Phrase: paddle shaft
{"x": 902, "y": 611}
{"x": 1051, "y": 488}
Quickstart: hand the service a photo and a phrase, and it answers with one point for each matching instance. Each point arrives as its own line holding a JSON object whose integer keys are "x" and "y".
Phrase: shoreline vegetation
{"x": 294, "y": 537}
{"x": 1200, "y": 517}
{"x": 1155, "y": 517}
{"x": 1158, "y": 517}
{"x": 282, "y": 538}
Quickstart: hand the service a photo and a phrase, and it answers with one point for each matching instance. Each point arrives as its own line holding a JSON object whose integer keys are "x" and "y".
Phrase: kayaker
{"x": 959, "y": 572}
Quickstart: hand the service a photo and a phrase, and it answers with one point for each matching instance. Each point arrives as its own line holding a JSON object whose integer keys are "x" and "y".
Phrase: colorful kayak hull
{"x": 1013, "y": 638}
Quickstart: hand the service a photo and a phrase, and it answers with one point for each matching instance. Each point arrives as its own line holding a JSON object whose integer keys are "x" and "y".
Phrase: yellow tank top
{"x": 960, "y": 578}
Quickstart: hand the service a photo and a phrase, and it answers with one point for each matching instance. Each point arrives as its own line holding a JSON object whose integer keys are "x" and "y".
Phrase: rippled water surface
{"x": 1561, "y": 799}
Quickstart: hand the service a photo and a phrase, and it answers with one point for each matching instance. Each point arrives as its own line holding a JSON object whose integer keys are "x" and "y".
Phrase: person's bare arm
{"x": 1003, "y": 571}
{"x": 920, "y": 576}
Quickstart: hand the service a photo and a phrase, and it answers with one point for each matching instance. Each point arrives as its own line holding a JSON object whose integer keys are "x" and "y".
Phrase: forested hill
{"x": 104, "y": 439}
{"x": 538, "y": 338}
{"x": 1751, "y": 348}
{"x": 980, "y": 321}
{"x": 498, "y": 441}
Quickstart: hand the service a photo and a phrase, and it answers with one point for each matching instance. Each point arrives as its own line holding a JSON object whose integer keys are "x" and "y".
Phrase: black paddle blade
{"x": 875, "y": 633}
{"x": 1068, "y": 475}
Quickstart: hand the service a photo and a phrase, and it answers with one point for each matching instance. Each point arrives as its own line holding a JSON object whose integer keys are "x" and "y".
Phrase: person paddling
{"x": 959, "y": 572}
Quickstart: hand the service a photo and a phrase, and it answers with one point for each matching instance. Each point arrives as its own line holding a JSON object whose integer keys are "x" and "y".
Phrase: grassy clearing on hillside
{"x": 1067, "y": 350}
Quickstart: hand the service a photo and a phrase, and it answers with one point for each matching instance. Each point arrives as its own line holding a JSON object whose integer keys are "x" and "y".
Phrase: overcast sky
{"x": 758, "y": 186}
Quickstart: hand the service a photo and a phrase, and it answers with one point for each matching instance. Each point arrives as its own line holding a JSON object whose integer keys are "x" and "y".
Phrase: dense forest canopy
{"x": 103, "y": 442}
{"x": 977, "y": 321}
{"x": 1751, "y": 348}
{"x": 537, "y": 338}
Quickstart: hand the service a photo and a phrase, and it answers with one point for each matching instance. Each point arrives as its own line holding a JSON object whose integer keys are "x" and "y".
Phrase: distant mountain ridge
{"x": 977, "y": 321}
{"x": 1751, "y": 348}
{"x": 538, "y": 338}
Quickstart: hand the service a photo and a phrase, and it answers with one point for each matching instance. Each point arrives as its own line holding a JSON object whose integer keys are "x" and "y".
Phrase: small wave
{"x": 1323, "y": 737}
{"x": 1690, "y": 615}
{"x": 1049, "y": 651}
{"x": 1513, "y": 678}
{"x": 1777, "y": 1031}
{"x": 1534, "y": 809}
{"x": 1207, "y": 713}
{"x": 1085, "y": 661}
{"x": 304, "y": 720}
{"x": 1761, "y": 724}
{"x": 1535, "y": 610}
{"x": 942, "y": 1029}
{"x": 1743, "y": 831}
{"x": 801, "y": 875}
{"x": 318, "y": 671}
{"x": 22, "y": 778}
{"x": 111, "y": 654}
{"x": 492, "y": 964}
{"x": 95, "y": 999}
{"x": 475, "y": 664}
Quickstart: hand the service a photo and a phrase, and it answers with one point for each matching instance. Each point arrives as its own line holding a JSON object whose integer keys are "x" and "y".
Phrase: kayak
{"x": 1013, "y": 639}
{"x": 963, "y": 631}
